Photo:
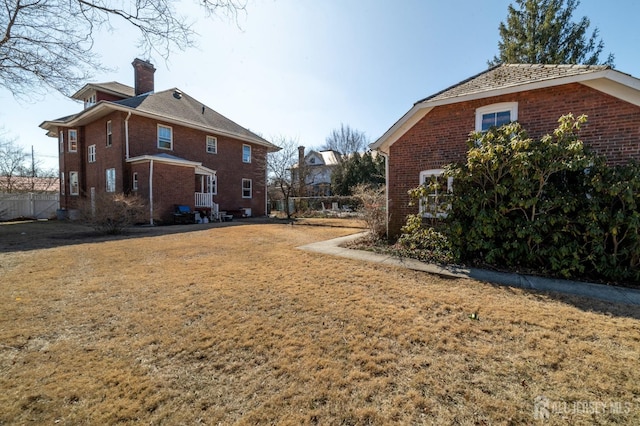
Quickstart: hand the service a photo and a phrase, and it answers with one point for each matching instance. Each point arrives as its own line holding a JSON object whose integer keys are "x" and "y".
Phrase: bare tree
{"x": 49, "y": 43}
{"x": 12, "y": 162}
{"x": 346, "y": 140}
{"x": 280, "y": 169}
{"x": 18, "y": 174}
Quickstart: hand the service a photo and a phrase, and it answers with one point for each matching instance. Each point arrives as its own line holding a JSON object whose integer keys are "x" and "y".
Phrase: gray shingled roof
{"x": 511, "y": 75}
{"x": 186, "y": 109}
{"x": 114, "y": 86}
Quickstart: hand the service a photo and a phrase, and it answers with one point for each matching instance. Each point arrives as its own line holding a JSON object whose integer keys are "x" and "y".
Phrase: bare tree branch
{"x": 48, "y": 44}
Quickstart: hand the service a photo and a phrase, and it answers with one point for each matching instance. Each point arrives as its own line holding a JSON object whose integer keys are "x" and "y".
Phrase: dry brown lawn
{"x": 234, "y": 325}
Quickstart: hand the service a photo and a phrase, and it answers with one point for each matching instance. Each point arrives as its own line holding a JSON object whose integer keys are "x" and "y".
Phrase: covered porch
{"x": 206, "y": 188}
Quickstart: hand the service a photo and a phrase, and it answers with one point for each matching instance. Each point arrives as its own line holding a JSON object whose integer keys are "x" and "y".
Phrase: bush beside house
{"x": 545, "y": 205}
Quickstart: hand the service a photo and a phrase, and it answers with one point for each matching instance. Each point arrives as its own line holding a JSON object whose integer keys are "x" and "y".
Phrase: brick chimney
{"x": 143, "y": 71}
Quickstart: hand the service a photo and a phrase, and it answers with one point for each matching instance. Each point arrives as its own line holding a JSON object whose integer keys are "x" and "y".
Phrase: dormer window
{"x": 90, "y": 101}
{"x": 496, "y": 115}
{"x": 312, "y": 160}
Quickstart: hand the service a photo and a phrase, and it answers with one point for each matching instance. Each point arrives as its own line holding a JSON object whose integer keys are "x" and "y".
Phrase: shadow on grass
{"x": 584, "y": 303}
{"x": 36, "y": 235}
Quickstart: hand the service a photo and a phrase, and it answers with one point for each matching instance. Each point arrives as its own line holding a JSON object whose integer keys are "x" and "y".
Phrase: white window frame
{"x": 211, "y": 145}
{"x": 109, "y": 131}
{"x": 61, "y": 140}
{"x": 212, "y": 184}
{"x": 73, "y": 142}
{"x": 110, "y": 175}
{"x": 512, "y": 107}
{"x": 91, "y": 153}
{"x": 246, "y": 159}
{"x": 74, "y": 183}
{"x": 62, "y": 188}
{"x": 437, "y": 204}
{"x": 90, "y": 101}
{"x": 250, "y": 188}
{"x": 170, "y": 142}
{"x": 134, "y": 184}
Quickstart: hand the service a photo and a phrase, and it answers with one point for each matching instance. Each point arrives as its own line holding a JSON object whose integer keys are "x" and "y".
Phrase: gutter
{"x": 151, "y": 192}
{"x": 386, "y": 189}
{"x": 126, "y": 135}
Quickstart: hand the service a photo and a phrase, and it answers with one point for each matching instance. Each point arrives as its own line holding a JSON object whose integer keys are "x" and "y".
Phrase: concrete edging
{"x": 595, "y": 291}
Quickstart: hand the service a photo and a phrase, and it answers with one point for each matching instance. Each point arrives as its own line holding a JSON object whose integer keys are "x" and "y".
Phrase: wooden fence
{"x": 29, "y": 204}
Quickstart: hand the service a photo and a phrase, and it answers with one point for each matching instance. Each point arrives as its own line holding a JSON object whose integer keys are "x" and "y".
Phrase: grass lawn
{"x": 219, "y": 324}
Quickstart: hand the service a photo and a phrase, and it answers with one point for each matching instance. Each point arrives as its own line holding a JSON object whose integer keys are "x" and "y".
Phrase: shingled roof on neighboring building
{"x": 511, "y": 75}
{"x": 513, "y": 78}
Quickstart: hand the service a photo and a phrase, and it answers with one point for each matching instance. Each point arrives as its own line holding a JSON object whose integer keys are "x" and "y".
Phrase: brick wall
{"x": 172, "y": 184}
{"x": 190, "y": 144}
{"x": 613, "y": 130}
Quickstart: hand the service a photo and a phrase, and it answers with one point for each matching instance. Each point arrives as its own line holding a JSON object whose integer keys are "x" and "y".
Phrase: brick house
{"x": 434, "y": 131}
{"x": 166, "y": 146}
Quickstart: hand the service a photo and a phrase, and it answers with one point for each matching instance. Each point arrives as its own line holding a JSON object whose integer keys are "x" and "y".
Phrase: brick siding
{"x": 613, "y": 130}
{"x": 172, "y": 184}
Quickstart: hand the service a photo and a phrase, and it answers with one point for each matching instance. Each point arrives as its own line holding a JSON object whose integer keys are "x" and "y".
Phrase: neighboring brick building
{"x": 165, "y": 146}
{"x": 434, "y": 132}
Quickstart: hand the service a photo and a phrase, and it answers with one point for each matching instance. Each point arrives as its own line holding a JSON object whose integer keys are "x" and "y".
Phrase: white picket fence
{"x": 33, "y": 205}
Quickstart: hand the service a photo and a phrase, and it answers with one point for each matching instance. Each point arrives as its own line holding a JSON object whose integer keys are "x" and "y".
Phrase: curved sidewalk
{"x": 595, "y": 291}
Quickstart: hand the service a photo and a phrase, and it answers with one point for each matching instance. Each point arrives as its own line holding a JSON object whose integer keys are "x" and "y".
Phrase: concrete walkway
{"x": 594, "y": 291}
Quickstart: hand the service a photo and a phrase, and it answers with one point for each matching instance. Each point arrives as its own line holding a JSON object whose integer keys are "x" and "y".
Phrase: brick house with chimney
{"x": 166, "y": 147}
{"x": 434, "y": 131}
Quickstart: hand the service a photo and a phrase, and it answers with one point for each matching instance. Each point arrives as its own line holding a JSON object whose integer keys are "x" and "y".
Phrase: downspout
{"x": 386, "y": 188}
{"x": 151, "y": 192}
{"x": 126, "y": 135}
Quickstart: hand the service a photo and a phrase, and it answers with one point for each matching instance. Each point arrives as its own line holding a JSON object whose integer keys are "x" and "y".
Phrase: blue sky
{"x": 299, "y": 68}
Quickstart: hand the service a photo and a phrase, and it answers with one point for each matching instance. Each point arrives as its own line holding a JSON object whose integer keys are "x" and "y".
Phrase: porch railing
{"x": 204, "y": 199}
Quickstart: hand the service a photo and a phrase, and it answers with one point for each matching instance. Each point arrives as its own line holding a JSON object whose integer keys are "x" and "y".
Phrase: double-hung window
{"x": 91, "y": 153}
{"x": 109, "y": 134}
{"x": 61, "y": 140}
{"x": 496, "y": 115}
{"x": 212, "y": 145}
{"x": 62, "y": 188}
{"x": 74, "y": 185}
{"x": 73, "y": 140}
{"x": 111, "y": 180}
{"x": 246, "y": 188}
{"x": 246, "y": 153}
{"x": 165, "y": 137}
{"x": 436, "y": 204}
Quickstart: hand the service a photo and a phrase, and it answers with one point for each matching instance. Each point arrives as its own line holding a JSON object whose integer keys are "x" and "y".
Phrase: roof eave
{"x": 609, "y": 81}
{"x": 103, "y": 107}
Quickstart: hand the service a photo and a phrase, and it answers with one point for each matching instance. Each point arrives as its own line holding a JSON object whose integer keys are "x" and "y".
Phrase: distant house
{"x": 317, "y": 168}
{"x": 166, "y": 146}
{"x": 12, "y": 184}
{"x": 434, "y": 131}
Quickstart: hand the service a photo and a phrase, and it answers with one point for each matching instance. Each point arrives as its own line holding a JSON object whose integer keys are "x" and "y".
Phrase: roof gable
{"x": 112, "y": 87}
{"x": 513, "y": 75}
{"x": 513, "y": 78}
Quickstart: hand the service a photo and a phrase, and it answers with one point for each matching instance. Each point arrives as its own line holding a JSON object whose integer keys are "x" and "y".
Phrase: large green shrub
{"x": 544, "y": 205}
